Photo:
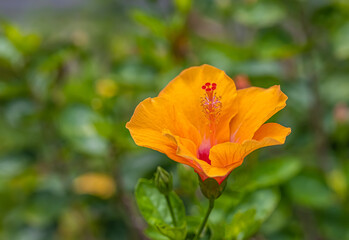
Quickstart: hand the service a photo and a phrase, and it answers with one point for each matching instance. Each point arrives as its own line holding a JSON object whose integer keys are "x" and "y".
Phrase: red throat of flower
{"x": 211, "y": 105}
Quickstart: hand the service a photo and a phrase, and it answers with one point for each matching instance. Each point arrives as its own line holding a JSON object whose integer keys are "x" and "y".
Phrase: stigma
{"x": 210, "y": 101}
{"x": 212, "y": 106}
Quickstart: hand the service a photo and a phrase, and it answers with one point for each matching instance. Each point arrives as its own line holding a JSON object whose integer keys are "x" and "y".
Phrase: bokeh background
{"x": 72, "y": 72}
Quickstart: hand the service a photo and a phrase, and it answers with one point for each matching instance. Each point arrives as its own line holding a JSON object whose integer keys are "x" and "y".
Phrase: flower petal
{"x": 150, "y": 121}
{"x": 272, "y": 130}
{"x": 186, "y": 93}
{"x": 187, "y": 149}
{"x": 256, "y": 105}
{"x": 269, "y": 134}
{"x": 227, "y": 156}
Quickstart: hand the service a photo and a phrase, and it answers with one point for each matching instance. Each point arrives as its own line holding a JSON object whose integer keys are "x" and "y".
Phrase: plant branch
{"x": 203, "y": 223}
{"x": 168, "y": 200}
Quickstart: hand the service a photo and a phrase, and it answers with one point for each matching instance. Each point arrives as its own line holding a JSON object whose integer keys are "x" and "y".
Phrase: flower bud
{"x": 163, "y": 181}
{"x": 211, "y": 189}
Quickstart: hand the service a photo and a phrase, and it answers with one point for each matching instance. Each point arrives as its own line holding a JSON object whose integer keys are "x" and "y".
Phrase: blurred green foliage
{"x": 69, "y": 84}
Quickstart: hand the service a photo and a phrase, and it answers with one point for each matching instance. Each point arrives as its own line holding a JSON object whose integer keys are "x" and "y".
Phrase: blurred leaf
{"x": 278, "y": 219}
{"x": 275, "y": 44}
{"x": 24, "y": 183}
{"x": 230, "y": 50}
{"x": 25, "y": 43}
{"x": 334, "y": 224}
{"x": 265, "y": 174}
{"x": 9, "y": 54}
{"x": 80, "y": 90}
{"x": 154, "y": 234}
{"x": 340, "y": 41}
{"x": 19, "y": 111}
{"x": 53, "y": 61}
{"x": 338, "y": 84}
{"x": 274, "y": 172}
{"x": 251, "y": 213}
{"x": 11, "y": 166}
{"x": 188, "y": 179}
{"x": 192, "y": 225}
{"x": 154, "y": 209}
{"x": 183, "y": 5}
{"x": 257, "y": 68}
{"x": 336, "y": 180}
{"x": 15, "y": 138}
{"x": 310, "y": 191}
{"x": 135, "y": 165}
{"x": 10, "y": 90}
{"x": 76, "y": 124}
{"x": 260, "y": 14}
{"x": 155, "y": 25}
{"x": 217, "y": 230}
{"x": 342, "y": 3}
{"x": 243, "y": 225}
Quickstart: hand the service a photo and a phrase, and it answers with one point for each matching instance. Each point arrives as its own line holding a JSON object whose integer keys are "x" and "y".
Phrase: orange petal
{"x": 256, "y": 105}
{"x": 186, "y": 93}
{"x": 272, "y": 130}
{"x": 227, "y": 156}
{"x": 187, "y": 149}
{"x": 150, "y": 121}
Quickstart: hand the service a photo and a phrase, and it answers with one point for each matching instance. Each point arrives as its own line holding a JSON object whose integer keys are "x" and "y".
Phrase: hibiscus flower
{"x": 201, "y": 120}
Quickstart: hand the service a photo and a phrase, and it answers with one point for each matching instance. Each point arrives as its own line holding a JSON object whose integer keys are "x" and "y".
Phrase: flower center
{"x": 211, "y": 105}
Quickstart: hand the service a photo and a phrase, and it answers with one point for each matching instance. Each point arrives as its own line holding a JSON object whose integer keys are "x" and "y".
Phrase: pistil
{"x": 211, "y": 106}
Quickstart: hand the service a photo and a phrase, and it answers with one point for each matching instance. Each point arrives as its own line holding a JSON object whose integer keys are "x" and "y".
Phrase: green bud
{"x": 211, "y": 188}
{"x": 163, "y": 181}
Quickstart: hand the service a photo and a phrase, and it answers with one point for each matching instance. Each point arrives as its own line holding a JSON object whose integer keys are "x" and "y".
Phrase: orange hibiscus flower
{"x": 201, "y": 120}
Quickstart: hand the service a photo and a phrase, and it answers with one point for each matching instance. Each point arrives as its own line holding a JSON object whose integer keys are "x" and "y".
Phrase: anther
{"x": 211, "y": 105}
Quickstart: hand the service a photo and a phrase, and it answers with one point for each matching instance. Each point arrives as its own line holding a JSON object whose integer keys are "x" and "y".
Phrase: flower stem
{"x": 171, "y": 209}
{"x": 203, "y": 223}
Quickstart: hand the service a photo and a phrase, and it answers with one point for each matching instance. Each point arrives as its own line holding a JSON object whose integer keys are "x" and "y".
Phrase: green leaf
{"x": 274, "y": 172}
{"x": 278, "y": 220}
{"x": 251, "y": 213}
{"x": 25, "y": 43}
{"x": 183, "y": 5}
{"x": 76, "y": 124}
{"x": 244, "y": 223}
{"x": 308, "y": 190}
{"x": 188, "y": 179}
{"x": 9, "y": 54}
{"x": 260, "y": 14}
{"x": 265, "y": 174}
{"x": 155, "y": 25}
{"x": 152, "y": 233}
{"x": 275, "y": 44}
{"x": 338, "y": 83}
{"x": 193, "y": 222}
{"x": 217, "y": 230}
{"x": 340, "y": 42}
{"x": 153, "y": 207}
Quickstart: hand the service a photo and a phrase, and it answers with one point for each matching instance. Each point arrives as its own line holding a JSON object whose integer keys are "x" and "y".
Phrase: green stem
{"x": 171, "y": 209}
{"x": 203, "y": 223}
